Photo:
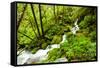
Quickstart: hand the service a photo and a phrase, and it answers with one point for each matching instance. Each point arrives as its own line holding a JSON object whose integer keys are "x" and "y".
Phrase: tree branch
{"x": 25, "y": 35}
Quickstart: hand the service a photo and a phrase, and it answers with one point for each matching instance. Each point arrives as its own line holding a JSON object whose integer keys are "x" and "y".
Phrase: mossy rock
{"x": 44, "y": 45}
{"x": 69, "y": 34}
{"x": 53, "y": 54}
{"x": 34, "y": 50}
{"x": 56, "y": 39}
{"x": 68, "y": 28}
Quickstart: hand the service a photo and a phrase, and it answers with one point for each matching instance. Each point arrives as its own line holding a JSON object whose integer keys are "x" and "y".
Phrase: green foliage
{"x": 87, "y": 21}
{"x": 56, "y": 20}
{"x": 53, "y": 55}
{"x": 76, "y": 49}
{"x": 93, "y": 36}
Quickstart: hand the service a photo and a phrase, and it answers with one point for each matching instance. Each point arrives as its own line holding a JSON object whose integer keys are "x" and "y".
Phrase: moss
{"x": 69, "y": 34}
{"x": 44, "y": 45}
{"x": 56, "y": 39}
{"x": 35, "y": 50}
{"x": 54, "y": 54}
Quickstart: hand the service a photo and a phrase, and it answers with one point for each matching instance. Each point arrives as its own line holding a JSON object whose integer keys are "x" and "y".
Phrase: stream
{"x": 27, "y": 57}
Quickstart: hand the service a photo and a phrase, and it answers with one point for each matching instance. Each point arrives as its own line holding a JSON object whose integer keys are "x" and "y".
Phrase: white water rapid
{"x": 27, "y": 57}
{"x": 75, "y": 28}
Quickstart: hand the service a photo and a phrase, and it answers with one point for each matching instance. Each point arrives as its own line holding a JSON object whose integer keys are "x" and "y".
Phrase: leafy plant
{"x": 76, "y": 49}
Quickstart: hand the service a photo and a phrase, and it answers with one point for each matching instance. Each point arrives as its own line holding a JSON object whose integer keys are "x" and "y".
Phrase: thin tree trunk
{"x": 35, "y": 19}
{"x": 54, "y": 14}
{"x": 18, "y": 23}
{"x": 41, "y": 21}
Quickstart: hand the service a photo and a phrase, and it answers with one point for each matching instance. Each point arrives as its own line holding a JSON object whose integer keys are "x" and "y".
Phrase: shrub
{"x": 76, "y": 49}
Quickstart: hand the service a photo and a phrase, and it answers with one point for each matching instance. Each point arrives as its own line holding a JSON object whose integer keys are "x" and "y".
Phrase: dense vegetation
{"x": 41, "y": 25}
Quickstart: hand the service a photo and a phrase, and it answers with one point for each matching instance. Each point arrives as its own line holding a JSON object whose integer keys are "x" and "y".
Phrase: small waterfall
{"x": 75, "y": 28}
{"x": 64, "y": 38}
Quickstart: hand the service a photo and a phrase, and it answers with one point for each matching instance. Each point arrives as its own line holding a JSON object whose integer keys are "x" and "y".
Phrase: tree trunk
{"x": 35, "y": 19}
{"x": 41, "y": 21}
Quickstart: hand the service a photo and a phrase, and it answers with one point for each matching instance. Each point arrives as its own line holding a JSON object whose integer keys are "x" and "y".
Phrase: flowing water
{"x": 27, "y": 57}
{"x": 75, "y": 28}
